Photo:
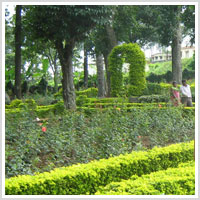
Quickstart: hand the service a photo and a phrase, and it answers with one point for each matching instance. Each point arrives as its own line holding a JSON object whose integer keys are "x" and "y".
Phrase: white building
{"x": 186, "y": 52}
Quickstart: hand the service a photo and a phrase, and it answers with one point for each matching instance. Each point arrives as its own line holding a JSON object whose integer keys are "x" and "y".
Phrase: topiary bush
{"x": 132, "y": 54}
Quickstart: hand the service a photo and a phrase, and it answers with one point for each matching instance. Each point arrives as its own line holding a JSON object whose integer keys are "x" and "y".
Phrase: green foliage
{"x": 109, "y": 100}
{"x": 153, "y": 98}
{"x": 153, "y": 88}
{"x": 40, "y": 99}
{"x": 31, "y": 104}
{"x": 81, "y": 100}
{"x": 59, "y": 108}
{"x": 173, "y": 181}
{"x": 62, "y": 23}
{"x": 132, "y": 54}
{"x": 90, "y": 92}
{"x": 162, "y": 71}
{"x": 87, "y": 178}
{"x": 96, "y": 134}
{"x": 15, "y": 103}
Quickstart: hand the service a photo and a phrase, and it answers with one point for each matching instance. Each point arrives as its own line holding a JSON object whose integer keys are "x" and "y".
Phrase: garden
{"x": 115, "y": 132}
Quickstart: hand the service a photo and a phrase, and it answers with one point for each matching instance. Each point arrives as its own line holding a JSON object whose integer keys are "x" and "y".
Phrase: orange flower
{"x": 139, "y": 136}
{"x": 44, "y": 129}
{"x": 159, "y": 105}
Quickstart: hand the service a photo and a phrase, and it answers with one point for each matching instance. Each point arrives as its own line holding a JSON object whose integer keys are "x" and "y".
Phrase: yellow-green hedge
{"x": 87, "y": 178}
{"x": 173, "y": 181}
{"x": 132, "y": 54}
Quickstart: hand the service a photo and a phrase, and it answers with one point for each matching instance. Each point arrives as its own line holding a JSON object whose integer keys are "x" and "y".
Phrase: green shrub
{"x": 44, "y": 112}
{"x": 87, "y": 178}
{"x": 109, "y": 100}
{"x": 173, "y": 181}
{"x": 96, "y": 133}
{"x": 31, "y": 104}
{"x": 123, "y": 105}
{"x": 90, "y": 92}
{"x": 59, "y": 107}
{"x": 81, "y": 100}
{"x": 153, "y": 98}
{"x": 8, "y": 106}
{"x": 58, "y": 94}
{"x": 132, "y": 54}
{"x": 15, "y": 103}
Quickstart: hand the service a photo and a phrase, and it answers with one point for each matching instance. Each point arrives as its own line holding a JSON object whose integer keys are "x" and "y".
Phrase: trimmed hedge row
{"x": 87, "y": 178}
{"x": 105, "y": 105}
{"x": 90, "y": 92}
{"x": 44, "y": 111}
{"x": 186, "y": 110}
{"x": 173, "y": 181}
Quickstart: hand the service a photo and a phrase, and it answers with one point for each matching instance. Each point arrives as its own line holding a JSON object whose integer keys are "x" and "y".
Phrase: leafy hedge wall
{"x": 132, "y": 54}
{"x": 173, "y": 181}
{"x": 87, "y": 178}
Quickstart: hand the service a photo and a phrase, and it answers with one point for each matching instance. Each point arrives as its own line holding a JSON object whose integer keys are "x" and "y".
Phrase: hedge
{"x": 90, "y": 92}
{"x": 87, "y": 178}
{"x": 173, "y": 181}
{"x": 163, "y": 89}
{"x": 44, "y": 111}
{"x": 132, "y": 54}
{"x": 124, "y": 105}
{"x": 186, "y": 110}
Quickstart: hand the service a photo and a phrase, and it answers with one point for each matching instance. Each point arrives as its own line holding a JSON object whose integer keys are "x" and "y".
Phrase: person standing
{"x": 175, "y": 95}
{"x": 186, "y": 96}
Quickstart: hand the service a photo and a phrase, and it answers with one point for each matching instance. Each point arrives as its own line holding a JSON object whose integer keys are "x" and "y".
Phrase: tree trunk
{"x": 65, "y": 55}
{"x": 85, "y": 68}
{"x": 112, "y": 43}
{"x": 112, "y": 36}
{"x": 18, "y": 52}
{"x": 100, "y": 75}
{"x": 55, "y": 78}
{"x": 107, "y": 74}
{"x": 176, "y": 53}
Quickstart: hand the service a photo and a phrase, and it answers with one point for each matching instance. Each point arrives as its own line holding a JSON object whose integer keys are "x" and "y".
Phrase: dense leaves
{"x": 79, "y": 138}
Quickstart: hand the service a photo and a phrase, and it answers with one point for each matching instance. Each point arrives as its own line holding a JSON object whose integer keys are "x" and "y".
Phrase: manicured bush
{"x": 132, "y": 54}
{"x": 81, "y": 100}
{"x": 15, "y": 103}
{"x": 87, "y": 178}
{"x": 153, "y": 98}
{"x": 109, "y": 100}
{"x": 123, "y": 105}
{"x": 31, "y": 104}
{"x": 173, "y": 181}
{"x": 90, "y": 92}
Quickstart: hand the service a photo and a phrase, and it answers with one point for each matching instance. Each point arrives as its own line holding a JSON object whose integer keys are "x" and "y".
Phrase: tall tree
{"x": 65, "y": 25}
{"x": 168, "y": 23}
{"x": 100, "y": 75}
{"x": 85, "y": 66}
{"x": 18, "y": 41}
{"x": 124, "y": 25}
